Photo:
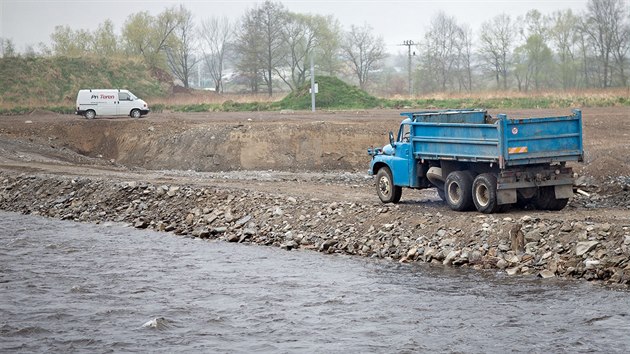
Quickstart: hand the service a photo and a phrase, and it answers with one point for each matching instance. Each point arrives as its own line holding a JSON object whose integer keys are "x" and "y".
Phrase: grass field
{"x": 51, "y": 84}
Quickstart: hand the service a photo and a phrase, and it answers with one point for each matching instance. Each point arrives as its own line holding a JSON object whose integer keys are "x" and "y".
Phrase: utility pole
{"x": 312, "y": 84}
{"x": 409, "y": 43}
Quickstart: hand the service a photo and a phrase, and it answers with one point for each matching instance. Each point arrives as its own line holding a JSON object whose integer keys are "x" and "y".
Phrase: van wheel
{"x": 385, "y": 188}
{"x": 135, "y": 113}
{"x": 89, "y": 114}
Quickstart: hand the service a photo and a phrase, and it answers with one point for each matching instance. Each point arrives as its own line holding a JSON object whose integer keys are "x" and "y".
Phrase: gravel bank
{"x": 549, "y": 246}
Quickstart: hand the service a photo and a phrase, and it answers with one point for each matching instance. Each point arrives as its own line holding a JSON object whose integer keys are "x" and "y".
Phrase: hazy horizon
{"x": 29, "y": 22}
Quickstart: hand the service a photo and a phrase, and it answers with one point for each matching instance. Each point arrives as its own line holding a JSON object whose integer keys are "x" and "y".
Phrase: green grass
{"x": 51, "y": 84}
{"x": 57, "y": 80}
{"x": 333, "y": 94}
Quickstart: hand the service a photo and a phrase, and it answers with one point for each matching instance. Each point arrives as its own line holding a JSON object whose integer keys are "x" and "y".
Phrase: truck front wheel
{"x": 135, "y": 113}
{"x": 458, "y": 190}
{"x": 484, "y": 193}
{"x": 385, "y": 188}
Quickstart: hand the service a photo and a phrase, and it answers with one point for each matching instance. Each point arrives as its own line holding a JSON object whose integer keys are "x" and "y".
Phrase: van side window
{"x": 123, "y": 96}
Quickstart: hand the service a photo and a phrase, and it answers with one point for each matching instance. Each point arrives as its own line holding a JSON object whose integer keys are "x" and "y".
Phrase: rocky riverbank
{"x": 548, "y": 246}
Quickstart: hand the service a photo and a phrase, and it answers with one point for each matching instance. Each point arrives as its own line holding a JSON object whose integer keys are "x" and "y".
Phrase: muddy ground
{"x": 317, "y": 161}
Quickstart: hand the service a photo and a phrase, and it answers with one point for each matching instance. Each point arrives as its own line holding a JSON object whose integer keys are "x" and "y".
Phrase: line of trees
{"x": 270, "y": 47}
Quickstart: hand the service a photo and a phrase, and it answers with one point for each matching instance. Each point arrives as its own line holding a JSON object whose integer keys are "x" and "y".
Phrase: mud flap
{"x": 564, "y": 191}
{"x": 506, "y": 196}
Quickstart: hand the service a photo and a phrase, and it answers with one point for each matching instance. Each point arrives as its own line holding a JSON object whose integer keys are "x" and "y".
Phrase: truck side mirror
{"x": 391, "y": 138}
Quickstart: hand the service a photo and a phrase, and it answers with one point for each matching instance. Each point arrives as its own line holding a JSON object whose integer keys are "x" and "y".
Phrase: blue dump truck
{"x": 479, "y": 162}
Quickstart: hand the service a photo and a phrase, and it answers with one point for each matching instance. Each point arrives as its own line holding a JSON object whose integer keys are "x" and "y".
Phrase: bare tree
{"x": 216, "y": 33}
{"x": 7, "y": 48}
{"x": 249, "y": 49}
{"x": 271, "y": 17}
{"x": 496, "y": 39}
{"x": 329, "y": 45}
{"x": 364, "y": 51}
{"x": 603, "y": 24}
{"x": 564, "y": 38}
{"x": 441, "y": 49}
{"x": 182, "y": 46}
{"x": 148, "y": 36}
{"x": 105, "y": 40}
{"x": 533, "y": 61}
{"x": 465, "y": 50}
{"x": 68, "y": 42}
{"x": 300, "y": 37}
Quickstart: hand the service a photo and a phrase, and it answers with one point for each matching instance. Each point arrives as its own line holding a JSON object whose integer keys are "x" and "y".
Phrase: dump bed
{"x": 472, "y": 135}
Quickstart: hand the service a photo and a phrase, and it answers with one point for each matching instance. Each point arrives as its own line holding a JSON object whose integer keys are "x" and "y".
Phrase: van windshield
{"x": 132, "y": 96}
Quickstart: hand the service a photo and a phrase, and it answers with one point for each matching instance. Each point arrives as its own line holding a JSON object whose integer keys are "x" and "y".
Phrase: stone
{"x": 546, "y": 274}
{"x": 452, "y": 255}
{"x": 388, "y": 227}
{"x": 412, "y": 252}
{"x": 249, "y": 231}
{"x": 512, "y": 271}
{"x": 584, "y": 247}
{"x": 447, "y": 242}
{"x": 533, "y": 236}
{"x": 140, "y": 224}
{"x": 502, "y": 264}
{"x": 242, "y": 221}
{"x": 218, "y": 230}
{"x": 512, "y": 259}
{"x": 591, "y": 264}
{"x": 172, "y": 191}
{"x": 327, "y": 244}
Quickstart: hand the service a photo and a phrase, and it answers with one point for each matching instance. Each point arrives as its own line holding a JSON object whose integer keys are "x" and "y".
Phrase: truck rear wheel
{"x": 89, "y": 114}
{"x": 484, "y": 193}
{"x": 458, "y": 190}
{"x": 385, "y": 188}
{"x": 546, "y": 200}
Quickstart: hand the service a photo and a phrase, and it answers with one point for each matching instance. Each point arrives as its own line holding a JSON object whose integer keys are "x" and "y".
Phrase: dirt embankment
{"x": 296, "y": 141}
{"x": 148, "y": 173}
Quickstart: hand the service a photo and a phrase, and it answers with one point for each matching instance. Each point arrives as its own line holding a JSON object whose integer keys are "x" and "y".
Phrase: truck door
{"x": 403, "y": 157}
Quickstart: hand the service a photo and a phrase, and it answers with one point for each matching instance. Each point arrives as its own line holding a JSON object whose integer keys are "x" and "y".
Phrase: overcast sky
{"x": 28, "y": 22}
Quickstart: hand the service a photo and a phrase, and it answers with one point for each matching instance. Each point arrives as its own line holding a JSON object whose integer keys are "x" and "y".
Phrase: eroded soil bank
{"x": 297, "y": 180}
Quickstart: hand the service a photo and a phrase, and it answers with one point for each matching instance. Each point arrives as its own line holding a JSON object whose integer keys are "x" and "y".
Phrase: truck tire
{"x": 440, "y": 192}
{"x": 484, "y": 193}
{"x": 135, "y": 113}
{"x": 458, "y": 190}
{"x": 546, "y": 200}
{"x": 89, "y": 114}
{"x": 385, "y": 188}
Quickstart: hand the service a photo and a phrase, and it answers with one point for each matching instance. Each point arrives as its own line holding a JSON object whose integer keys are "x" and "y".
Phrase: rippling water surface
{"x": 68, "y": 286}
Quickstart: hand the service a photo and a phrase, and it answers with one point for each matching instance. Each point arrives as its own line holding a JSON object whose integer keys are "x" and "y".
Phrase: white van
{"x": 93, "y": 102}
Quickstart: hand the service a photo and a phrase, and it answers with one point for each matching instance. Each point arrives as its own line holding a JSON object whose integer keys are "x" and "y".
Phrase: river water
{"x": 73, "y": 287}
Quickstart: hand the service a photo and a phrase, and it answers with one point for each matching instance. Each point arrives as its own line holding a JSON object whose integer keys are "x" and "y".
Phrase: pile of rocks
{"x": 543, "y": 246}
